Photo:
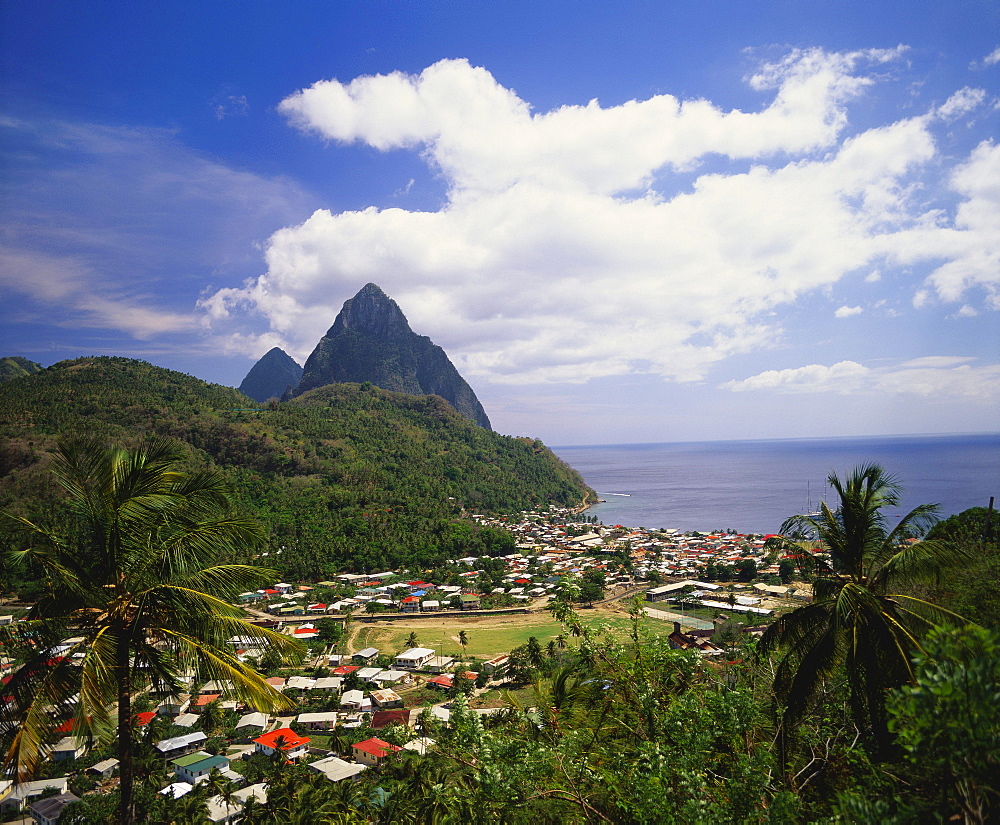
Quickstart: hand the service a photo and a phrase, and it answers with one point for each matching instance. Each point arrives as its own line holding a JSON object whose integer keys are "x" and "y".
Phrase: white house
{"x": 414, "y": 658}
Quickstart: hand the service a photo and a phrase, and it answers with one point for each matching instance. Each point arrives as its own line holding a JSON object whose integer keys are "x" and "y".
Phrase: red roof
{"x": 381, "y": 718}
{"x": 343, "y": 670}
{"x": 411, "y": 599}
{"x": 290, "y": 739}
{"x": 205, "y": 699}
{"x": 141, "y": 719}
{"x": 444, "y": 680}
{"x": 376, "y": 747}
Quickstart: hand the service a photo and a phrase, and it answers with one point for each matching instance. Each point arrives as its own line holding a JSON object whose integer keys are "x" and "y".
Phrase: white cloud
{"x": 937, "y": 377}
{"x": 76, "y": 295}
{"x": 565, "y": 251}
{"x": 992, "y": 58}
{"x": 94, "y": 215}
{"x": 971, "y": 245}
{"x": 961, "y": 103}
{"x": 847, "y": 312}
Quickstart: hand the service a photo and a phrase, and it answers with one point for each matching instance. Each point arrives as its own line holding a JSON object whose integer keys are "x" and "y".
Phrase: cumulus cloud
{"x": 992, "y": 58}
{"x": 568, "y": 247}
{"x": 847, "y": 312}
{"x": 961, "y": 103}
{"x": 942, "y": 377}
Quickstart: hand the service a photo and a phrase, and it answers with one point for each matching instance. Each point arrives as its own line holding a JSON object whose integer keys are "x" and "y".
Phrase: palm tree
{"x": 135, "y": 597}
{"x": 411, "y": 640}
{"x": 463, "y": 640}
{"x": 858, "y": 620}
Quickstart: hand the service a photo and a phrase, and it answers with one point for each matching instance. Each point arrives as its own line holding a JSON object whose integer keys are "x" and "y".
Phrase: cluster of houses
{"x": 555, "y": 535}
{"x": 374, "y": 703}
{"x": 417, "y": 596}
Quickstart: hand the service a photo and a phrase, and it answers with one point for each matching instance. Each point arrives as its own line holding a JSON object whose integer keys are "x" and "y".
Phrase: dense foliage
{"x": 345, "y": 477}
{"x": 14, "y": 366}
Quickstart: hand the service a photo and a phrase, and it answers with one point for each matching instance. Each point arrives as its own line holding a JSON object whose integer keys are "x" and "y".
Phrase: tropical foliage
{"x": 861, "y": 623}
{"x": 344, "y": 477}
{"x": 134, "y": 598}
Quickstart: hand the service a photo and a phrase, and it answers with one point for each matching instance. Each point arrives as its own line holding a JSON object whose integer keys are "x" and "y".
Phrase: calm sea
{"x": 752, "y": 486}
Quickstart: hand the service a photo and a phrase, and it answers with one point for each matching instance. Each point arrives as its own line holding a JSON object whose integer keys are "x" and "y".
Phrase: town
{"x": 369, "y": 703}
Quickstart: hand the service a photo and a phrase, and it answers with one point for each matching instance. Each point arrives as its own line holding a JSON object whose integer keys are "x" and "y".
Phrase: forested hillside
{"x": 345, "y": 477}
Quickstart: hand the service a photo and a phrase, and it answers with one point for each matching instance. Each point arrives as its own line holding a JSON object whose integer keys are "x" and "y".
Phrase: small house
{"x": 198, "y": 765}
{"x": 374, "y": 752}
{"x": 286, "y": 740}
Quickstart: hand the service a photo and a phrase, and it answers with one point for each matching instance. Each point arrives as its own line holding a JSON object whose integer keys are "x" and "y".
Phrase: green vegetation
{"x": 134, "y": 597}
{"x": 14, "y": 366}
{"x": 859, "y": 621}
{"x": 344, "y": 477}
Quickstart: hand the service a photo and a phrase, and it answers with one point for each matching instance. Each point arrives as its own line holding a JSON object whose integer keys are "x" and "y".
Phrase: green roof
{"x": 190, "y": 759}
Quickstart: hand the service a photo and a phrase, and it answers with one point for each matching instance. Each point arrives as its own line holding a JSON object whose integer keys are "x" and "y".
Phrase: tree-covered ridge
{"x": 14, "y": 366}
{"x": 346, "y": 476}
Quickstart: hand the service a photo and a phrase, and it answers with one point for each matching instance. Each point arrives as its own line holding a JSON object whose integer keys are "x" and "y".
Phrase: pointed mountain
{"x": 371, "y": 340}
{"x": 272, "y": 376}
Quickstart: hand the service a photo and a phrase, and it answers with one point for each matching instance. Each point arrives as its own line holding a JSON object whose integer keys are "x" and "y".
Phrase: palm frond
{"x": 248, "y": 684}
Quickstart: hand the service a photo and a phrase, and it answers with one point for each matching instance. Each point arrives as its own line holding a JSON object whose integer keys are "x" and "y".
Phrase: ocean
{"x": 752, "y": 486}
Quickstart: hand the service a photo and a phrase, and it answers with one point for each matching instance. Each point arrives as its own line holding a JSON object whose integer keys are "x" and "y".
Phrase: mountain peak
{"x": 272, "y": 376}
{"x": 371, "y": 340}
{"x": 372, "y": 312}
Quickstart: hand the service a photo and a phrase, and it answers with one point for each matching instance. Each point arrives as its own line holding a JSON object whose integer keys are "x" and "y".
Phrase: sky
{"x": 624, "y": 223}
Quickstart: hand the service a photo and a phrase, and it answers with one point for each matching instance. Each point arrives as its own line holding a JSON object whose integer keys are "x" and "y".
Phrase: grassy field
{"x": 489, "y": 636}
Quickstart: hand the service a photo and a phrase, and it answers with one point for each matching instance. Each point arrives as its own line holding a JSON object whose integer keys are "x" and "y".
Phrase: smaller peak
{"x": 371, "y": 289}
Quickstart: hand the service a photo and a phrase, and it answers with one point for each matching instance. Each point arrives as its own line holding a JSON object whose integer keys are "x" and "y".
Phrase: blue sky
{"x": 623, "y": 222}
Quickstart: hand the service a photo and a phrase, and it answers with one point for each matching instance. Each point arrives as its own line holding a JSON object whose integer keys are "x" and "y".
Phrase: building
{"x": 414, "y": 658}
{"x": 318, "y": 720}
{"x": 374, "y": 752}
{"x": 366, "y": 656}
{"x": 336, "y": 769}
{"x": 180, "y": 744}
{"x": 497, "y": 666}
{"x": 384, "y": 718}
{"x": 387, "y": 698}
{"x": 48, "y": 811}
{"x": 286, "y": 740}
{"x": 198, "y": 765}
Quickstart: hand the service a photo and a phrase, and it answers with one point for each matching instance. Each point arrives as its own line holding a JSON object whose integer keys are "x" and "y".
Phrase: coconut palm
{"x": 463, "y": 640}
{"x": 136, "y": 597}
{"x": 858, "y": 620}
{"x": 411, "y": 640}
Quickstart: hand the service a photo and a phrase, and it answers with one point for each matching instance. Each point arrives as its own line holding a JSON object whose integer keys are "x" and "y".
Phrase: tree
{"x": 857, "y": 620}
{"x": 463, "y": 640}
{"x": 786, "y": 569}
{"x": 139, "y": 587}
{"x": 411, "y": 640}
{"x": 948, "y": 723}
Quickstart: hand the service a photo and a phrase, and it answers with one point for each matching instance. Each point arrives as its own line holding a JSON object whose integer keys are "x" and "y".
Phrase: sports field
{"x": 488, "y": 636}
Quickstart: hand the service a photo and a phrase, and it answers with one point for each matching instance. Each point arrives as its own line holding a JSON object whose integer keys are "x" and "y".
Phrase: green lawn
{"x": 485, "y": 642}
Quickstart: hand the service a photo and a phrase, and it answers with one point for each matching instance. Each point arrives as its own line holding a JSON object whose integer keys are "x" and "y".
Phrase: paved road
{"x": 685, "y": 620}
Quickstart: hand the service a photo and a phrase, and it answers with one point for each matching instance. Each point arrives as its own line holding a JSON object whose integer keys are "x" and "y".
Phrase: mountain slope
{"x": 345, "y": 476}
{"x": 371, "y": 340}
{"x": 14, "y": 366}
{"x": 274, "y": 375}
